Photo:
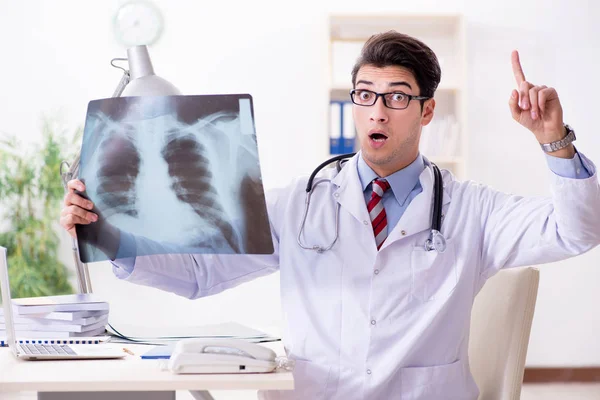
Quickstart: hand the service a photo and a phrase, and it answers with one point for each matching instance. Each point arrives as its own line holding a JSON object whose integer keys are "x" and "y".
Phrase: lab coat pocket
{"x": 434, "y": 274}
{"x": 433, "y": 383}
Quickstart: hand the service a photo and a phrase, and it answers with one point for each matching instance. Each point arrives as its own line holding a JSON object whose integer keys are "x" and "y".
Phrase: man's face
{"x": 389, "y": 138}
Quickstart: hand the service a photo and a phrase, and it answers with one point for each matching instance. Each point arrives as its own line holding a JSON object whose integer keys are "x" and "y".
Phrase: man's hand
{"x": 538, "y": 109}
{"x": 76, "y": 208}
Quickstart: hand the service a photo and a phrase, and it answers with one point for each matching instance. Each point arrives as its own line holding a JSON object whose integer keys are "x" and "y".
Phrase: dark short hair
{"x": 394, "y": 48}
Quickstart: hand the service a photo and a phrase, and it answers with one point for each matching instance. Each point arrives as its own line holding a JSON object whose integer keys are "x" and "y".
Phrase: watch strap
{"x": 560, "y": 144}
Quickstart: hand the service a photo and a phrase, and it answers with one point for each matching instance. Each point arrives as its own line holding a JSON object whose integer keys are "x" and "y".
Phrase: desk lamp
{"x": 139, "y": 80}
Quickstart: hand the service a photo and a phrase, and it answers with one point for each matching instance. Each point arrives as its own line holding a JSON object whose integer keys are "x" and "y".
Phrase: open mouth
{"x": 377, "y": 136}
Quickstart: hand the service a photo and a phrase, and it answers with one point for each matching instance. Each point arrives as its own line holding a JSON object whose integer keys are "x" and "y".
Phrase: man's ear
{"x": 427, "y": 113}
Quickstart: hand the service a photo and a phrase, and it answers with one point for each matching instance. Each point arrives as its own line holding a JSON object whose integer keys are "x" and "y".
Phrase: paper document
{"x": 231, "y": 330}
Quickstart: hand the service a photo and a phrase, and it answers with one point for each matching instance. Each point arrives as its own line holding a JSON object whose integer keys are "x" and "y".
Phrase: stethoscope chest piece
{"x": 436, "y": 242}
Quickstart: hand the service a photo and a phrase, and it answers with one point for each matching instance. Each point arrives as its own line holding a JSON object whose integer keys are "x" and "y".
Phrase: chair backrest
{"x": 500, "y": 326}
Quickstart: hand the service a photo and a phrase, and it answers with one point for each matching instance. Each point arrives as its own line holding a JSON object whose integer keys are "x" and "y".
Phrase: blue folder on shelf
{"x": 348, "y": 129}
{"x": 335, "y": 127}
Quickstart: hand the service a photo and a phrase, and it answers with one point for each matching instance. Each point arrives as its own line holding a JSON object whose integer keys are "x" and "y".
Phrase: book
{"x": 44, "y": 326}
{"x": 53, "y": 334}
{"x": 59, "y": 317}
{"x": 47, "y": 304}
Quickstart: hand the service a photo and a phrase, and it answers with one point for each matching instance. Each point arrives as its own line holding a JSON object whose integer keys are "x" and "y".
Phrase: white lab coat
{"x": 393, "y": 324}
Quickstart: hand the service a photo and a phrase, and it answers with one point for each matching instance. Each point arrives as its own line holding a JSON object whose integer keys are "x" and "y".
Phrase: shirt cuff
{"x": 572, "y": 168}
{"x": 125, "y": 258}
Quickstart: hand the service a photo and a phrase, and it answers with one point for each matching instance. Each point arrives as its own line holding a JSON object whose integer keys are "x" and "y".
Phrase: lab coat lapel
{"x": 417, "y": 216}
{"x": 349, "y": 192}
{"x": 415, "y": 219}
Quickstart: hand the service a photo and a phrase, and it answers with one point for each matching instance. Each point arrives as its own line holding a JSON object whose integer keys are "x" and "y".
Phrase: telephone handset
{"x": 220, "y": 356}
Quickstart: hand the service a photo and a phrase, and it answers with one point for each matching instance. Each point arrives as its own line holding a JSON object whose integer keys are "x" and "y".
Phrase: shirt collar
{"x": 402, "y": 182}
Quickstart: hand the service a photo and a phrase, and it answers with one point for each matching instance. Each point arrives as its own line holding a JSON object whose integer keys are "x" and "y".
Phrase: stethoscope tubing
{"x": 435, "y": 241}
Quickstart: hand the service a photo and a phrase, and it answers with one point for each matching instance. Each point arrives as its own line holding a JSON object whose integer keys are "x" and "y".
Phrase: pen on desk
{"x": 128, "y": 351}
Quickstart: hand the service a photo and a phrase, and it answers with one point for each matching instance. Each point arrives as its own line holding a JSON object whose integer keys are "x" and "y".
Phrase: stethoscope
{"x": 436, "y": 240}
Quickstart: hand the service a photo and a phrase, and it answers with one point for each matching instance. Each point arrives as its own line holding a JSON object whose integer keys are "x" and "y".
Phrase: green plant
{"x": 31, "y": 192}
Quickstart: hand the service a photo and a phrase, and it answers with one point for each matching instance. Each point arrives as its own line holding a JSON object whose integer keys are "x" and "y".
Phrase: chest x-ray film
{"x": 179, "y": 172}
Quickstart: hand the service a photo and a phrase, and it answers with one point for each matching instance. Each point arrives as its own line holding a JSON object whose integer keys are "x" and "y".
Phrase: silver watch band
{"x": 560, "y": 144}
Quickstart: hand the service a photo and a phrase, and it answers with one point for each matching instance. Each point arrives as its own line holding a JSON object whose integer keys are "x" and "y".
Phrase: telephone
{"x": 220, "y": 356}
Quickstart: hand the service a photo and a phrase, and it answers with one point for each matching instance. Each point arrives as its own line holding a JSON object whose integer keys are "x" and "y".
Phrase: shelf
{"x": 361, "y": 27}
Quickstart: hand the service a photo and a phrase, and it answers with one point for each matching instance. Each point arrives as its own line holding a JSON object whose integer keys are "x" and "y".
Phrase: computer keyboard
{"x": 49, "y": 349}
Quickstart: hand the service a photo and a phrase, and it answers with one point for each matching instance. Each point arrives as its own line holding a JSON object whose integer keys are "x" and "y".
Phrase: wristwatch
{"x": 560, "y": 144}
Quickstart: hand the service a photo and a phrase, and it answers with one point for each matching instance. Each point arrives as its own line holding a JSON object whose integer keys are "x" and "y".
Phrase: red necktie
{"x": 377, "y": 212}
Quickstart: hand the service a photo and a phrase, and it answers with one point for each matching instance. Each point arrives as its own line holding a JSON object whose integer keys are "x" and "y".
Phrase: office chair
{"x": 500, "y": 325}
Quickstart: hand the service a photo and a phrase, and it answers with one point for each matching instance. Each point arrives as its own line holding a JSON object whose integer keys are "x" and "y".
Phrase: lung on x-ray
{"x": 179, "y": 171}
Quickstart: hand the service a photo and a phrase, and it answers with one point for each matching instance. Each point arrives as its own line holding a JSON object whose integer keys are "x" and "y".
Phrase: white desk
{"x": 52, "y": 379}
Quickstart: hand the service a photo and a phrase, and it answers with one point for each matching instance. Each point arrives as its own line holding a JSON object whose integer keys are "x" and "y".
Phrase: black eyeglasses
{"x": 394, "y": 100}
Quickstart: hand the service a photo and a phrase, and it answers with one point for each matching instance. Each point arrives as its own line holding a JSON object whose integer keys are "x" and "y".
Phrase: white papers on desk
{"x": 441, "y": 138}
{"x": 162, "y": 334}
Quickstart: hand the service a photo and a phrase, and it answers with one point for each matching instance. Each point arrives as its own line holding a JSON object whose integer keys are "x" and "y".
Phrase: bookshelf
{"x": 444, "y": 140}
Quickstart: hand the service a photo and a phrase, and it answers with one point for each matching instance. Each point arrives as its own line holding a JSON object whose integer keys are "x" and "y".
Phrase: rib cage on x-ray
{"x": 120, "y": 167}
{"x": 190, "y": 169}
{"x": 180, "y": 181}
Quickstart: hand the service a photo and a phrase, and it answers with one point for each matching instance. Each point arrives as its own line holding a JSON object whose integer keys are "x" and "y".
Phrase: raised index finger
{"x": 516, "y": 66}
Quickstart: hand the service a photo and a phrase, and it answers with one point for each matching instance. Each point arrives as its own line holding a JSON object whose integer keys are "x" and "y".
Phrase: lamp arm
{"x": 145, "y": 83}
{"x": 71, "y": 171}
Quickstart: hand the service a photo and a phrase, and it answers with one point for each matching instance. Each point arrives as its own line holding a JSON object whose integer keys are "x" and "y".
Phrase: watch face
{"x": 570, "y": 131}
{"x": 137, "y": 23}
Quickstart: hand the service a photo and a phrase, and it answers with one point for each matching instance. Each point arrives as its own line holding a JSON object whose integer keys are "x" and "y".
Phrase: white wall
{"x": 56, "y": 58}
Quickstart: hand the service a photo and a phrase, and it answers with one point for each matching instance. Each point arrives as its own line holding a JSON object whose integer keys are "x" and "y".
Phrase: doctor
{"x": 377, "y": 316}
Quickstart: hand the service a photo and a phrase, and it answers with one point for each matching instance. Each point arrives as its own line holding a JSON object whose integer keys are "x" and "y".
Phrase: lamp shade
{"x": 144, "y": 82}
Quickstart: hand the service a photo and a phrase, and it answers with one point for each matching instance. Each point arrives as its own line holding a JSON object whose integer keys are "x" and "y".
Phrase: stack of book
{"x": 53, "y": 317}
